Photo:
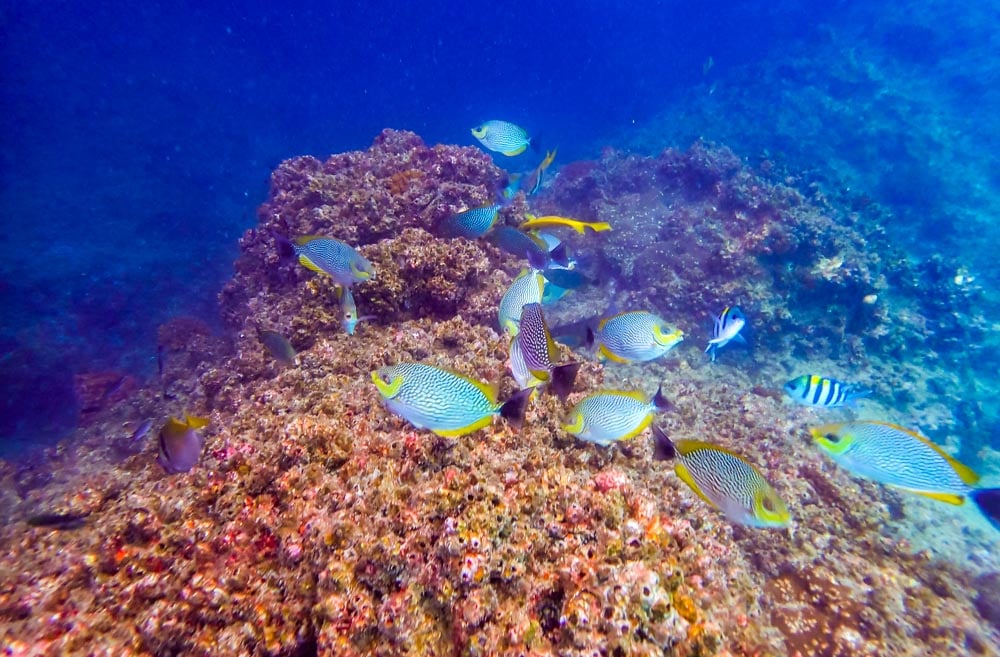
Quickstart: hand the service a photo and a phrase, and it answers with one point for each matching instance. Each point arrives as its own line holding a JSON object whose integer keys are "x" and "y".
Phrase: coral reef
{"x": 317, "y": 523}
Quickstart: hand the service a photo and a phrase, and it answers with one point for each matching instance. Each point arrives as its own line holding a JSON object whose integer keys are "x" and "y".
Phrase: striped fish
{"x": 725, "y": 480}
{"x": 633, "y": 336}
{"x": 612, "y": 415}
{"x": 444, "y": 402}
{"x": 894, "y": 456}
{"x": 471, "y": 223}
{"x": 340, "y": 261}
{"x": 823, "y": 392}
{"x": 727, "y": 327}
{"x": 502, "y": 137}
{"x": 533, "y": 354}
{"x": 526, "y": 288}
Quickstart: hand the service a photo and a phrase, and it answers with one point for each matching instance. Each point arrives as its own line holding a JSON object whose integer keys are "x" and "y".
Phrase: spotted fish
{"x": 725, "y": 480}
{"x": 613, "y": 415}
{"x": 471, "y": 223}
{"x": 533, "y": 354}
{"x": 334, "y": 258}
{"x": 634, "y": 336}
{"x": 894, "y": 456}
{"x": 444, "y": 402}
{"x": 502, "y": 137}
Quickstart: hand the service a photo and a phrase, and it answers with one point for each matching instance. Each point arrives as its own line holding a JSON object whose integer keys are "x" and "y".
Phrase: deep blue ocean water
{"x": 137, "y": 140}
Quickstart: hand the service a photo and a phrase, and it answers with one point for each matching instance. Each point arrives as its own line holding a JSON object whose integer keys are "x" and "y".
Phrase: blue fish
{"x": 472, "y": 223}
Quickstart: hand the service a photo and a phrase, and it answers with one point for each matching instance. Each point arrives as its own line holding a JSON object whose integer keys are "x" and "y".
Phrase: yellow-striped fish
{"x": 502, "y": 137}
{"x": 611, "y": 415}
{"x": 892, "y": 455}
{"x": 526, "y": 288}
{"x": 725, "y": 480}
{"x": 634, "y": 336}
{"x": 581, "y": 227}
{"x": 445, "y": 402}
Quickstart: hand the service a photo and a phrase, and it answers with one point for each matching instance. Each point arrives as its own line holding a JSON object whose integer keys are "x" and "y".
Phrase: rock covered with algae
{"x": 318, "y": 524}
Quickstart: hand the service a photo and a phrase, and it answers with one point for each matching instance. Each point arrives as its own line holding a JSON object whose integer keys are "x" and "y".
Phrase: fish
{"x": 140, "y": 432}
{"x": 180, "y": 443}
{"x": 533, "y": 354}
{"x": 531, "y": 181}
{"x": 58, "y": 520}
{"x": 526, "y": 288}
{"x": 895, "y": 456}
{"x": 549, "y": 222}
{"x": 338, "y": 260}
{"x": 610, "y": 416}
{"x": 727, "y": 327}
{"x": 633, "y": 336}
{"x": 724, "y": 479}
{"x": 446, "y": 403}
{"x": 472, "y": 223}
{"x": 502, "y": 137}
{"x": 823, "y": 392}
{"x": 349, "y": 310}
{"x": 523, "y": 245}
{"x": 278, "y": 346}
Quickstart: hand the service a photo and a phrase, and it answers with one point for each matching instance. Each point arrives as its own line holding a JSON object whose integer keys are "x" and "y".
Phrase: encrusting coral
{"x": 319, "y": 523}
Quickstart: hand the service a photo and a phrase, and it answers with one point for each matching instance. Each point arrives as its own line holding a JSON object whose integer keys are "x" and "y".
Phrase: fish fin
{"x": 302, "y": 240}
{"x": 686, "y": 477}
{"x": 948, "y": 498}
{"x": 965, "y": 473}
{"x": 562, "y": 379}
{"x": 516, "y": 151}
{"x": 196, "y": 421}
{"x": 559, "y": 255}
{"x": 338, "y": 290}
{"x": 639, "y": 429}
{"x": 685, "y": 447}
{"x": 549, "y": 157}
{"x": 610, "y": 356}
{"x": 660, "y": 400}
{"x": 461, "y": 431}
{"x": 596, "y": 226}
{"x": 309, "y": 264}
{"x": 513, "y": 409}
{"x": 663, "y": 447}
{"x": 988, "y": 501}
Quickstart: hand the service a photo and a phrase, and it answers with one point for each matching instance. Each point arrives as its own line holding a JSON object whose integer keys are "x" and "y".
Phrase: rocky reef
{"x": 317, "y": 523}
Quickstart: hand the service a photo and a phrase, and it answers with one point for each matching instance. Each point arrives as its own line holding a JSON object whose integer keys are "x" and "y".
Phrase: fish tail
{"x": 988, "y": 501}
{"x": 663, "y": 447}
{"x": 661, "y": 402}
{"x": 562, "y": 379}
{"x": 285, "y": 247}
{"x": 559, "y": 255}
{"x": 536, "y": 143}
{"x": 513, "y": 409}
{"x": 591, "y": 337}
{"x": 854, "y": 394}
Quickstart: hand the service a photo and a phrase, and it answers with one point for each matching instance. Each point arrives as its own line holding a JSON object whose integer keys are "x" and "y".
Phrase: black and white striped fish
{"x": 823, "y": 392}
{"x": 727, "y": 328}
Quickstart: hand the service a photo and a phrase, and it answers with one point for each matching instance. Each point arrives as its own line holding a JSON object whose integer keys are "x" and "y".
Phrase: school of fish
{"x": 453, "y": 404}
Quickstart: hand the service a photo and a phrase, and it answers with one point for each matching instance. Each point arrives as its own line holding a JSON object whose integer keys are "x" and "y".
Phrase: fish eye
{"x": 768, "y": 505}
{"x": 832, "y": 437}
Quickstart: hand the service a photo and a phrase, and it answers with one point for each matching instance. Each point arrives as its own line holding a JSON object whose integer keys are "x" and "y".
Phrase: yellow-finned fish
{"x": 633, "y": 336}
{"x": 180, "y": 443}
{"x": 445, "y": 402}
{"x": 892, "y": 455}
{"x": 725, "y": 480}
{"x": 581, "y": 227}
{"x": 609, "y": 416}
{"x": 533, "y": 354}
{"x": 502, "y": 137}
{"x": 527, "y": 288}
{"x": 823, "y": 392}
{"x": 336, "y": 259}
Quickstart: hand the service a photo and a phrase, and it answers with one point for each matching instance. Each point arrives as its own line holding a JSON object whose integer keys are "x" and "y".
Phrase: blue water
{"x": 137, "y": 141}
